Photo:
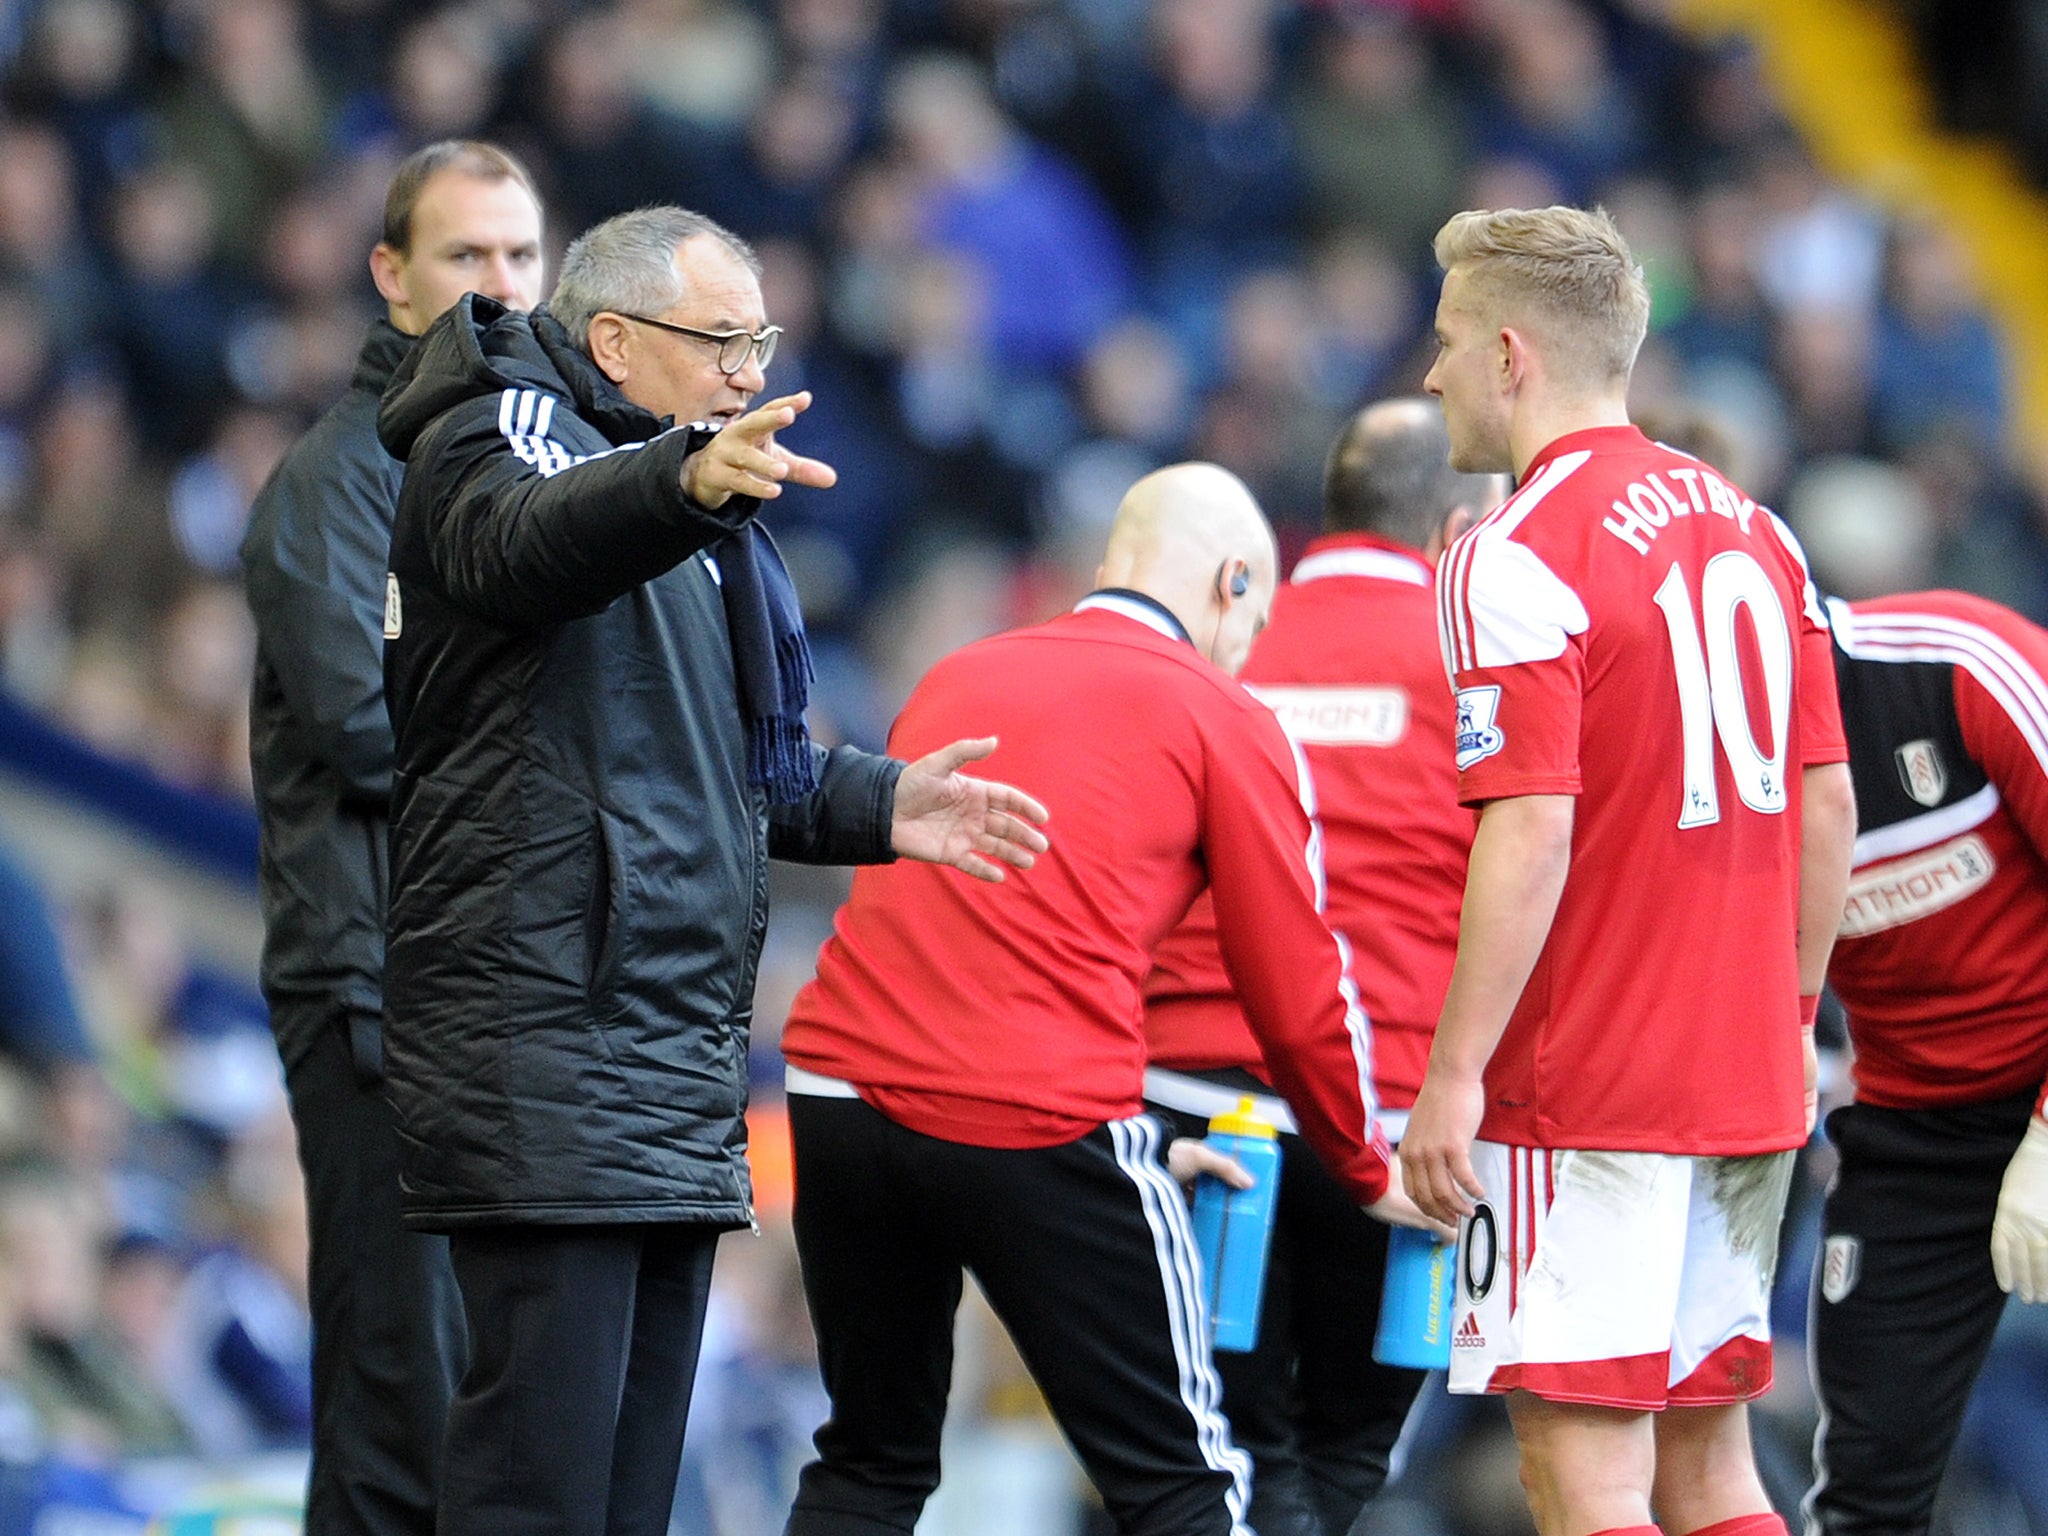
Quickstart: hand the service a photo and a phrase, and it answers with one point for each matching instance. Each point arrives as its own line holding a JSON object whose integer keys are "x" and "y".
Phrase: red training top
{"x": 1630, "y": 629}
{"x": 1942, "y": 961}
{"x": 1011, "y": 1015}
{"x": 1350, "y": 666}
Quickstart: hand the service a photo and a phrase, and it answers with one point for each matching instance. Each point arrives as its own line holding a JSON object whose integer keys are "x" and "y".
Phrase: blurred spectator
{"x": 40, "y": 1026}
{"x": 838, "y": 542}
{"x": 1824, "y": 363}
{"x": 1555, "y": 101}
{"x": 1383, "y": 145}
{"x": 1819, "y": 248}
{"x": 1726, "y": 318}
{"x": 1935, "y": 360}
{"x": 791, "y": 159}
{"x": 609, "y": 148}
{"x": 1265, "y": 423}
{"x": 1208, "y": 156}
{"x": 237, "y": 1355}
{"x": 173, "y": 304}
{"x": 708, "y": 62}
{"x": 211, "y": 494}
{"x": 88, "y": 1395}
{"x": 443, "y": 76}
{"x": 42, "y": 243}
{"x": 1050, "y": 259}
{"x": 250, "y": 116}
{"x": 1865, "y": 527}
{"x": 83, "y": 76}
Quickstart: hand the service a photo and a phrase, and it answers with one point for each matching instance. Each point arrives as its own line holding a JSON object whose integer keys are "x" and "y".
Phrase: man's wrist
{"x": 1809, "y": 1010}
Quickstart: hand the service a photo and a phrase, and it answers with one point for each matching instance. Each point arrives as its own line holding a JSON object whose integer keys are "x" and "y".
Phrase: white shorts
{"x": 1624, "y": 1279}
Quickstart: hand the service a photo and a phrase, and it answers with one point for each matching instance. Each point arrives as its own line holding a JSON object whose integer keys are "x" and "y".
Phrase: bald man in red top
{"x": 1350, "y": 665}
{"x": 966, "y": 1071}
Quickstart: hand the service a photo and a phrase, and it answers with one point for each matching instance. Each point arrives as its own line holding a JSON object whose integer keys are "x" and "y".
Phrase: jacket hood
{"x": 480, "y": 348}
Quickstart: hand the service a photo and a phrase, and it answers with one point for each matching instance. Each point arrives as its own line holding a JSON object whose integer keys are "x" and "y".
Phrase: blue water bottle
{"x": 1415, "y": 1304}
{"x": 1234, "y": 1227}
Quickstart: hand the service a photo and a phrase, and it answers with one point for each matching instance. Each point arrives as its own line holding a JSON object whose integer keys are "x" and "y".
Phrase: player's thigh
{"x": 1569, "y": 1275}
{"x": 1721, "y": 1337}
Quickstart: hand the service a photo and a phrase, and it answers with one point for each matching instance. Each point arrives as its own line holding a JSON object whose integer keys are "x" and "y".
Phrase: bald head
{"x": 1187, "y": 536}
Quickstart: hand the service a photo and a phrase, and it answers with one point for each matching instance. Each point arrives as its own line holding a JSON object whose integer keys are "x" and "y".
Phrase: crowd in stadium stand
{"x": 1024, "y": 251}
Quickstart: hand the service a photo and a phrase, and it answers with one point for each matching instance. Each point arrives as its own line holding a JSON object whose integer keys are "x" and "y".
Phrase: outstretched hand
{"x": 745, "y": 460}
{"x": 944, "y": 816}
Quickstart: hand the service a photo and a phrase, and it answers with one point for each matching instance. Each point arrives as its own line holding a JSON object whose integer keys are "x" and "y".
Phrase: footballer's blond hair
{"x": 1564, "y": 274}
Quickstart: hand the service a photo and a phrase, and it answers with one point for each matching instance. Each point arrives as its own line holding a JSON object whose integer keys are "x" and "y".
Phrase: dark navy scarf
{"x": 771, "y": 661}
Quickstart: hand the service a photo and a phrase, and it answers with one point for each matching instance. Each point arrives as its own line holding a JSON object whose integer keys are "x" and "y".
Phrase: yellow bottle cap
{"x": 1242, "y": 1121}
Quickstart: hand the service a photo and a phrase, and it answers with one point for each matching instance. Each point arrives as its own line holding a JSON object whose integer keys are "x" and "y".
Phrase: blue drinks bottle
{"x": 1415, "y": 1305}
{"x": 1234, "y": 1227}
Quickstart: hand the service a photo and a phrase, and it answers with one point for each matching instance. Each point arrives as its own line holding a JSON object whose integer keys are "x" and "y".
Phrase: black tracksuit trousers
{"x": 1904, "y": 1305}
{"x": 1083, "y": 1250}
{"x": 387, "y": 1321}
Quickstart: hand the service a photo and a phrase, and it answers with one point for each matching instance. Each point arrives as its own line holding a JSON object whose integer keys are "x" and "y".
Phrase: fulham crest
{"x": 1922, "y": 771}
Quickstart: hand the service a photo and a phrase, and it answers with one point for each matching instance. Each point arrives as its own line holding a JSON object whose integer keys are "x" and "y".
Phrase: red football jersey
{"x": 1942, "y": 961}
{"x": 1350, "y": 666}
{"x": 1630, "y": 629}
{"x": 1012, "y": 1015}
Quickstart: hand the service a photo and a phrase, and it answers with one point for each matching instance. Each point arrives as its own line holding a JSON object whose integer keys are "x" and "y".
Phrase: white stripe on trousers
{"x": 1136, "y": 1141}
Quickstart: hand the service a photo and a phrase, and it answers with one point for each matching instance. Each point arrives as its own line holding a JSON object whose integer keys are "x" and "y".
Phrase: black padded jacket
{"x": 579, "y": 867}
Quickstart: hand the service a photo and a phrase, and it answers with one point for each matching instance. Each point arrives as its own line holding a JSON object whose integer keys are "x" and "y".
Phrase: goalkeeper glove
{"x": 2019, "y": 1234}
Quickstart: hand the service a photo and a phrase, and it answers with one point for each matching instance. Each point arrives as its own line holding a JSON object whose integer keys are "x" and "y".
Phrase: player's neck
{"x": 1538, "y": 424}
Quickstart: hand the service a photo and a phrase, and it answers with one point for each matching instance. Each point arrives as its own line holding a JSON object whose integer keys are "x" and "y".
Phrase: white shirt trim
{"x": 1919, "y": 832}
{"x": 1386, "y": 564}
{"x": 815, "y": 1085}
{"x": 1145, "y": 615}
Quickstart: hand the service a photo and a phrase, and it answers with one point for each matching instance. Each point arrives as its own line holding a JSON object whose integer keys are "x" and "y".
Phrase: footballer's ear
{"x": 1513, "y": 360}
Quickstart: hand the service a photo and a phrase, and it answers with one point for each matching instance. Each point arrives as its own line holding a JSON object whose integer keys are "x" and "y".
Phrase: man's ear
{"x": 1517, "y": 360}
{"x": 608, "y": 345}
{"x": 1455, "y": 522}
{"x": 386, "y": 264}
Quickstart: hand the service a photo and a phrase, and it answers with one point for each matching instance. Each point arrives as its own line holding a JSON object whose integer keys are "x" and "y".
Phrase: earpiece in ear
{"x": 1240, "y": 584}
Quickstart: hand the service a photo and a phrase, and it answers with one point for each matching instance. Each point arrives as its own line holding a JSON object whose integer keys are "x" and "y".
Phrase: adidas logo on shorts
{"x": 1468, "y": 1335}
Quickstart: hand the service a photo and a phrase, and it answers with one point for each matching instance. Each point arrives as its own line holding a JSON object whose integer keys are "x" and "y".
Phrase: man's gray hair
{"x": 627, "y": 265}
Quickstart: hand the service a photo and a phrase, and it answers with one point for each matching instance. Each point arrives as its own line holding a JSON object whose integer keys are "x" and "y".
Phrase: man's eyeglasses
{"x": 734, "y": 347}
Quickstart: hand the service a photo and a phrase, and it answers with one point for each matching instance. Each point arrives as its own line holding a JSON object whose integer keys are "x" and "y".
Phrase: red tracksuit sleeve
{"x": 1265, "y": 874}
{"x": 2006, "y": 731}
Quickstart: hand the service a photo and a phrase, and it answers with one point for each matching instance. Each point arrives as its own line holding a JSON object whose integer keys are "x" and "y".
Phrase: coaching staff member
{"x": 387, "y": 1323}
{"x": 597, "y": 677}
{"x": 1940, "y": 1205}
{"x": 966, "y": 1071}
{"x": 1350, "y": 665}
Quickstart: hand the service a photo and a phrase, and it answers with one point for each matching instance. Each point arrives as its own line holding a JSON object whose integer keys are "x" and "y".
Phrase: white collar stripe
{"x": 1142, "y": 612}
{"x": 1387, "y": 564}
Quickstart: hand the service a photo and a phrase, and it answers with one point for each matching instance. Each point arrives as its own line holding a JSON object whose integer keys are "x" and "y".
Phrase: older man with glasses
{"x": 597, "y": 674}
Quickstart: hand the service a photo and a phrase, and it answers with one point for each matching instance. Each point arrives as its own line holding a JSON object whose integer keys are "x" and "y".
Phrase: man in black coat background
{"x": 597, "y": 675}
{"x": 387, "y": 1321}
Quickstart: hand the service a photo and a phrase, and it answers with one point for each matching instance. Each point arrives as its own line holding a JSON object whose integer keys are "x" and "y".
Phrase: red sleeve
{"x": 1512, "y": 635}
{"x": 1821, "y": 739}
{"x": 1265, "y": 874}
{"x": 2002, "y": 706}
